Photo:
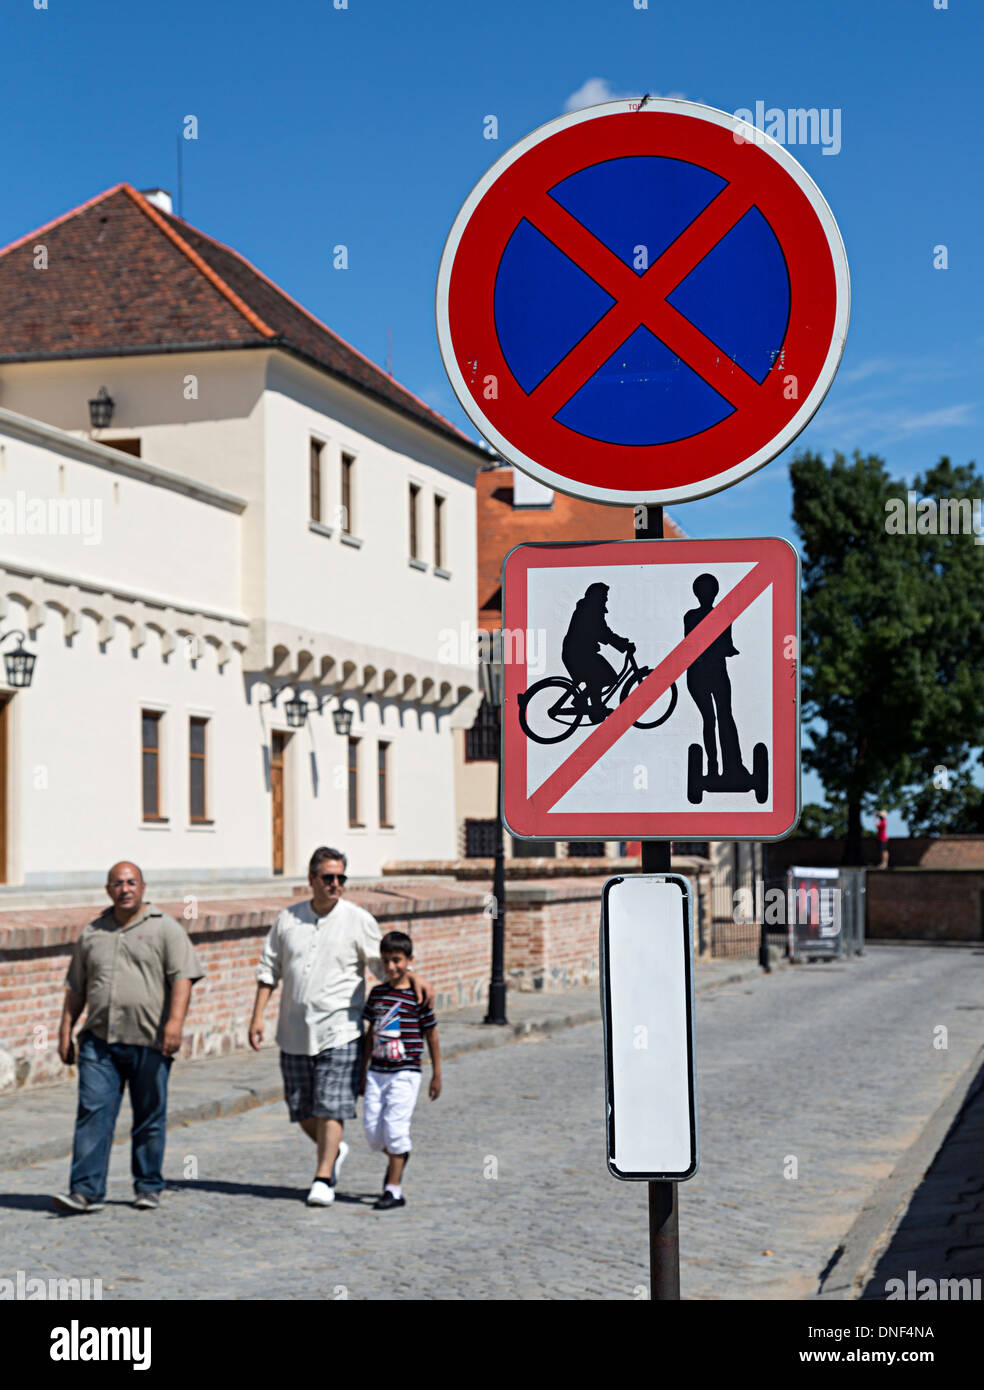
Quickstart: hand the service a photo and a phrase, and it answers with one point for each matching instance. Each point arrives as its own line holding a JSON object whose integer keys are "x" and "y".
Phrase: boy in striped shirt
{"x": 391, "y": 1052}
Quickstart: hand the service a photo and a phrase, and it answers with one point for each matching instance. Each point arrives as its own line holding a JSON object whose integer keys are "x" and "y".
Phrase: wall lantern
{"x": 296, "y": 709}
{"x": 19, "y": 663}
{"x": 101, "y": 409}
{"x": 342, "y": 719}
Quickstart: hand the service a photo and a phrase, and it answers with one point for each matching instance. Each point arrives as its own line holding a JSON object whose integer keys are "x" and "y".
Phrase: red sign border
{"x": 813, "y": 253}
{"x": 776, "y": 824}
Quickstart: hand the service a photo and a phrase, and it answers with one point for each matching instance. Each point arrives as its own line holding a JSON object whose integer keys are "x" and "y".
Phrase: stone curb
{"x": 235, "y": 1100}
{"x": 875, "y": 1224}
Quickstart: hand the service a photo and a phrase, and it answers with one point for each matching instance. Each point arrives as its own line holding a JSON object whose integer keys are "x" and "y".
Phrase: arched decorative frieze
{"x": 105, "y": 627}
{"x": 41, "y": 597}
{"x": 222, "y": 652}
{"x": 350, "y": 676}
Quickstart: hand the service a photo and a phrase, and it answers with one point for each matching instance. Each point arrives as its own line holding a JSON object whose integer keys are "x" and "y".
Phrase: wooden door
{"x": 278, "y": 745}
{"x": 4, "y": 725}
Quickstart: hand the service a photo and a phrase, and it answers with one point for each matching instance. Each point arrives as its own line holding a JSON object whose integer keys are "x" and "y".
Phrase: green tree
{"x": 822, "y": 822}
{"x": 893, "y": 643}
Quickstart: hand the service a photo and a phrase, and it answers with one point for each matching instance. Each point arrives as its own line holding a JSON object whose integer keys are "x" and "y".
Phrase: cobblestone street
{"x": 832, "y": 1066}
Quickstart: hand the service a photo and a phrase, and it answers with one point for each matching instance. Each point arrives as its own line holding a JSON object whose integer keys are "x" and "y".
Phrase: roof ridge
{"x": 197, "y": 261}
{"x": 63, "y": 217}
{"x": 323, "y": 326}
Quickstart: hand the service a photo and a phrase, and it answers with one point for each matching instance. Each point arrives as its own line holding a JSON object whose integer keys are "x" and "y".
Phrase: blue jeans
{"x": 104, "y": 1070}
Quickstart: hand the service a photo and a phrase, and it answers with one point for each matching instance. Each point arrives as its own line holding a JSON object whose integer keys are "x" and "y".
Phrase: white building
{"x": 265, "y": 509}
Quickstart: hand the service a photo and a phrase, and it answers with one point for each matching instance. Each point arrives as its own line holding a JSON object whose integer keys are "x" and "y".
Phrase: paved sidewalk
{"x": 38, "y": 1123}
{"x": 941, "y": 1235}
{"x": 927, "y": 1215}
{"x": 509, "y": 1196}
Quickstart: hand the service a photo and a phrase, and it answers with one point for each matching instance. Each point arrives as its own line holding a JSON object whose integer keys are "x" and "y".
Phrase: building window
{"x": 534, "y": 849}
{"x": 700, "y": 848}
{"x": 586, "y": 849}
{"x": 314, "y": 467}
{"x": 353, "y": 782}
{"x": 197, "y": 807}
{"x": 439, "y": 533}
{"x": 384, "y": 790}
{"x": 480, "y": 838}
{"x": 414, "y": 522}
{"x": 482, "y": 739}
{"x": 348, "y": 494}
{"x": 150, "y": 753}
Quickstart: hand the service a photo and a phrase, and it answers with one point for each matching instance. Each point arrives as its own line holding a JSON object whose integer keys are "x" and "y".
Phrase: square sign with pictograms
{"x": 651, "y": 690}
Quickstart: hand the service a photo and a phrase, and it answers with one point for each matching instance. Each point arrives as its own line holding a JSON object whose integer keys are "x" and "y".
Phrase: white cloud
{"x": 865, "y": 424}
{"x": 932, "y": 419}
{"x": 599, "y": 89}
{"x": 863, "y": 370}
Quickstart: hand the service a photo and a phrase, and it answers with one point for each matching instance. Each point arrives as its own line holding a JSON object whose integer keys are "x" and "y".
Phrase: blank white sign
{"x": 647, "y": 948}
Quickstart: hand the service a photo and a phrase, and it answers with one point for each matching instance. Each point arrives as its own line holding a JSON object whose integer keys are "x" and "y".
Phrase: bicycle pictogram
{"x": 553, "y": 708}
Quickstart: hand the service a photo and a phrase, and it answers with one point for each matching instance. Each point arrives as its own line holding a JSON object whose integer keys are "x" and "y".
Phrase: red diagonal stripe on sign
{"x": 670, "y": 669}
{"x": 642, "y": 300}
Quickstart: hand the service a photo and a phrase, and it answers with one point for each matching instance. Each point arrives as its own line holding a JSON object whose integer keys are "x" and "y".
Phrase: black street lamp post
{"x": 491, "y": 676}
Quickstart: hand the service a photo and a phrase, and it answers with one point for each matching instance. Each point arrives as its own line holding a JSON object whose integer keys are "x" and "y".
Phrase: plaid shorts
{"x": 322, "y": 1087}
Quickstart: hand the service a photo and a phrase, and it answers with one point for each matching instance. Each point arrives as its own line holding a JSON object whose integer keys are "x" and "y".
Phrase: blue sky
{"x": 364, "y": 126}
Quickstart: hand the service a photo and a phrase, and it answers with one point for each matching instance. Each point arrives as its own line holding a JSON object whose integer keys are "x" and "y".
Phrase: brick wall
{"x": 926, "y": 904}
{"x": 906, "y": 852}
{"x": 954, "y": 852}
{"x": 551, "y": 944}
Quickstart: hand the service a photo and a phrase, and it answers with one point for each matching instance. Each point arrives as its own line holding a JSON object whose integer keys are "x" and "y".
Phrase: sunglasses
{"x": 340, "y": 879}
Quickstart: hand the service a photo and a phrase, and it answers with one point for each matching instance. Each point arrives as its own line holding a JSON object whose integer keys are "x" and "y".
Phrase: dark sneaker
{"x": 406, "y": 1160}
{"x": 77, "y": 1203}
{"x": 146, "y": 1201}
{"x": 387, "y": 1202}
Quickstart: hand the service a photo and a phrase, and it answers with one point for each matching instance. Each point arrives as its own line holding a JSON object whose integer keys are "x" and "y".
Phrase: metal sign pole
{"x": 664, "y": 1225}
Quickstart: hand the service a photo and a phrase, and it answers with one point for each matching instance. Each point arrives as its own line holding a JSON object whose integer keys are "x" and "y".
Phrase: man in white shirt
{"x": 320, "y": 951}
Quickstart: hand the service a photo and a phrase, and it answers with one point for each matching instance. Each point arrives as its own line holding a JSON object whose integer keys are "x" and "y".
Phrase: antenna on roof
{"x": 180, "y": 182}
{"x": 389, "y": 349}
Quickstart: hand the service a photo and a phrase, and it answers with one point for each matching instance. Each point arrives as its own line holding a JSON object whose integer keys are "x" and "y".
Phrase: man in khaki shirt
{"x": 133, "y": 967}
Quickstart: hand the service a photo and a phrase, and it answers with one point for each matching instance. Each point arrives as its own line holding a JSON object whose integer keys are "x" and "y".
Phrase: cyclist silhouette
{"x": 589, "y": 630}
{"x": 710, "y": 686}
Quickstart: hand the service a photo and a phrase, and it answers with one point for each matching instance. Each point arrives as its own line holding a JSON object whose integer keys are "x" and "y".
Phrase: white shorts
{"x": 387, "y": 1107}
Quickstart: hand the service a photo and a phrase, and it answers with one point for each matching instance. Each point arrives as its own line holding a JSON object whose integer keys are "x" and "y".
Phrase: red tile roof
{"x": 124, "y": 277}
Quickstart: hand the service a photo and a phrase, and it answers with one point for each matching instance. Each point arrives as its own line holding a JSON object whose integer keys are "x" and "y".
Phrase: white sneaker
{"x": 321, "y": 1195}
{"x": 343, "y": 1149}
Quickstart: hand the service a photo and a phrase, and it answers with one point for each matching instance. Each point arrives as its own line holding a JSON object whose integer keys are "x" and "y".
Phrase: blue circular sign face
{"x": 643, "y": 303}
{"x": 637, "y": 206}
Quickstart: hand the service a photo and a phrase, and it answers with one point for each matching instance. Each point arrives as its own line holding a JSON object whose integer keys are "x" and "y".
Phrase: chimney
{"x": 159, "y": 197}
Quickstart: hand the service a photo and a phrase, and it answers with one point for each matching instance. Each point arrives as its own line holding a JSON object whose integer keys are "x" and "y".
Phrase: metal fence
{"x": 736, "y": 921}
{"x": 746, "y": 908}
{"x": 852, "y": 906}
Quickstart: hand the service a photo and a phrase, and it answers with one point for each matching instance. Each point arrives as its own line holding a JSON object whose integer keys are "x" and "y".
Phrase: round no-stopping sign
{"x": 643, "y": 304}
